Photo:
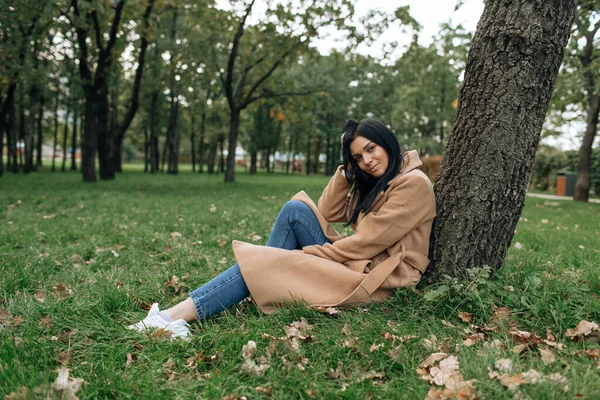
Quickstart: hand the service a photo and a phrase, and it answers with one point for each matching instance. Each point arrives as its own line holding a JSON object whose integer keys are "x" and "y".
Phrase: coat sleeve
{"x": 332, "y": 203}
{"x": 410, "y": 204}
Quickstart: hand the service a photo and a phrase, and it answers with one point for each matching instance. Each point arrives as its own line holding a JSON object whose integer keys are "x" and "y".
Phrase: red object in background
{"x": 561, "y": 185}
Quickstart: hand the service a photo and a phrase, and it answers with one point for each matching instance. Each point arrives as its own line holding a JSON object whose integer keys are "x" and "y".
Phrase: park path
{"x": 555, "y": 197}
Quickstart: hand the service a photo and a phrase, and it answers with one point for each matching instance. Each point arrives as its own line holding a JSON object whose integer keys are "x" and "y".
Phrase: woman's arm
{"x": 333, "y": 202}
{"x": 410, "y": 204}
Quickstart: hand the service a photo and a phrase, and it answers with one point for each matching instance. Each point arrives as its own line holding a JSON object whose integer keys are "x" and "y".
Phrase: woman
{"x": 378, "y": 191}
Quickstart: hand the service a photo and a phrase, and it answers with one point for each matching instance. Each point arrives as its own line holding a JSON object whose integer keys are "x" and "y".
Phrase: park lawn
{"x": 80, "y": 261}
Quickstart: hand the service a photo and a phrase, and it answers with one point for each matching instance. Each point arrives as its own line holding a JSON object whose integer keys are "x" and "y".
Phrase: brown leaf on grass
{"x": 351, "y": 343}
{"x": 174, "y": 283}
{"x": 430, "y": 343}
{"x": 76, "y": 258}
{"x": 64, "y": 357}
{"x": 432, "y": 359}
{"x": 395, "y": 352}
{"x": 328, "y": 310}
{"x": 592, "y": 353}
{"x": 583, "y": 328}
{"x": 445, "y": 371}
{"x": 20, "y": 394}
{"x": 17, "y": 321}
{"x": 338, "y": 373}
{"x": 45, "y": 322}
{"x": 301, "y": 363}
{"x": 457, "y": 389}
{"x": 500, "y": 313}
{"x": 346, "y": 329}
{"x": 390, "y": 336}
{"x": 525, "y": 337}
{"x": 299, "y": 329}
{"x": 252, "y": 368}
{"x": 62, "y": 291}
{"x": 503, "y": 365}
{"x": 474, "y": 339}
{"x": 248, "y": 350}
{"x": 65, "y": 387}
{"x": 266, "y": 391}
{"x": 375, "y": 347}
{"x": 234, "y": 397}
{"x": 175, "y": 234}
{"x": 520, "y": 348}
{"x": 371, "y": 374}
{"x": 253, "y": 236}
{"x": 169, "y": 363}
{"x": 448, "y": 324}
{"x": 130, "y": 359}
{"x": 465, "y": 317}
{"x": 161, "y": 334}
{"x": 40, "y": 296}
{"x": 221, "y": 242}
{"x": 547, "y": 356}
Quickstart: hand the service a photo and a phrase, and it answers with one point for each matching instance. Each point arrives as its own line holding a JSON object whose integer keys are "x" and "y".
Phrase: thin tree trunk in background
{"x": 317, "y": 154}
{"x": 222, "y": 156}
{"x": 584, "y": 164}
{"x": 22, "y": 128}
{"x": 55, "y": 126}
{"x": 212, "y": 156}
{"x": 13, "y": 165}
{"x": 329, "y": 157}
{"x": 30, "y": 134}
{"x": 266, "y": 161}
{"x": 40, "y": 132}
{"x": 174, "y": 140}
{"x": 164, "y": 154}
{"x": 234, "y": 126}
{"x": 253, "y": 160}
{"x": 308, "y": 155}
{"x": 2, "y": 127}
{"x": 193, "y": 141}
{"x": 74, "y": 136}
{"x": 480, "y": 189}
{"x": 154, "y": 156}
{"x": 201, "y": 144}
{"x": 146, "y": 148}
{"x": 65, "y": 137}
{"x": 289, "y": 152}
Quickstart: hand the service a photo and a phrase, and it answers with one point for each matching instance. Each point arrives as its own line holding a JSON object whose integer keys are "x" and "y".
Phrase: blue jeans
{"x": 296, "y": 226}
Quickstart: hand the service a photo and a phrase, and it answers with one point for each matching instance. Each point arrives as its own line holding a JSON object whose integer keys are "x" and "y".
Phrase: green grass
{"x": 55, "y": 230}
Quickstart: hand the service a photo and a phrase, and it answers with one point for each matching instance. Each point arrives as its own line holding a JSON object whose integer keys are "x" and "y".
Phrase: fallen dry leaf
{"x": 375, "y": 347}
{"x": 299, "y": 329}
{"x": 45, "y": 322}
{"x": 504, "y": 365}
{"x": 465, "y": 317}
{"x": 40, "y": 296}
{"x": 474, "y": 339}
{"x": 254, "y": 237}
{"x": 174, "y": 283}
{"x": 175, "y": 234}
{"x": 64, "y": 357}
{"x": 248, "y": 350}
{"x": 500, "y": 313}
{"x": 432, "y": 359}
{"x": 583, "y": 328}
{"x": 395, "y": 352}
{"x": 338, "y": 373}
{"x": 346, "y": 329}
{"x": 252, "y": 368}
{"x": 266, "y": 391}
{"x": 351, "y": 343}
{"x": 445, "y": 370}
{"x": 131, "y": 359}
{"x": 65, "y": 387}
{"x": 547, "y": 355}
{"x": 62, "y": 291}
{"x": 328, "y": 310}
{"x": 17, "y": 320}
{"x": 448, "y": 324}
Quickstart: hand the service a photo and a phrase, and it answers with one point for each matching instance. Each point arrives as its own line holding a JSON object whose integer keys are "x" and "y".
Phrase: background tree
{"x": 510, "y": 74}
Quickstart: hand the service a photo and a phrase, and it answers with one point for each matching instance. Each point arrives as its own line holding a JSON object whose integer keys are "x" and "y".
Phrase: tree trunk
{"x": 74, "y": 137}
{"x": 12, "y": 165}
{"x": 29, "y": 135}
{"x": 2, "y": 126}
{"x": 582, "y": 186}
{"x": 89, "y": 140}
{"x": 222, "y": 155}
{"x": 146, "y": 149}
{"x": 40, "y": 132}
{"x": 193, "y": 141}
{"x": 201, "y": 144}
{"x": 308, "y": 140}
{"x": 253, "y": 160}
{"x": 22, "y": 128}
{"x": 174, "y": 140}
{"x": 154, "y": 156}
{"x": 212, "y": 156}
{"x": 509, "y": 78}
{"x": 66, "y": 134}
{"x": 234, "y": 125}
{"x": 55, "y": 141}
{"x": 317, "y": 154}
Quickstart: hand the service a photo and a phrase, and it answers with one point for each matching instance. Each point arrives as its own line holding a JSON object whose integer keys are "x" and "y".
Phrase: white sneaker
{"x": 178, "y": 328}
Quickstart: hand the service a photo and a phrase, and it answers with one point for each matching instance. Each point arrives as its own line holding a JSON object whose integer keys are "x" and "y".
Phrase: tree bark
{"x": 154, "y": 156}
{"x": 212, "y": 155}
{"x": 253, "y": 160}
{"x": 29, "y": 135}
{"x": 234, "y": 126}
{"x": 201, "y": 143}
{"x": 173, "y": 139}
{"x": 55, "y": 141}
{"x": 146, "y": 149}
{"x": 40, "y": 132}
{"x": 480, "y": 190}
{"x": 12, "y": 165}
{"x": 74, "y": 136}
{"x": 308, "y": 140}
{"x": 66, "y": 134}
{"x": 222, "y": 155}
{"x": 193, "y": 141}
{"x": 583, "y": 183}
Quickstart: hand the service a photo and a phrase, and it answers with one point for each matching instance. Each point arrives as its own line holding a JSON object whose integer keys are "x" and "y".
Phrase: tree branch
{"x": 233, "y": 55}
{"x": 273, "y": 95}
{"x": 264, "y": 78}
{"x": 94, "y": 16}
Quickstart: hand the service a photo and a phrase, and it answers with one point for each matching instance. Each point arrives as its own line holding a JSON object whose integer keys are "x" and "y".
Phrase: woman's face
{"x": 370, "y": 157}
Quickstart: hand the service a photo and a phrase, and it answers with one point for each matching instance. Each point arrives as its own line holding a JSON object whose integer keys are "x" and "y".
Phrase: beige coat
{"x": 388, "y": 249}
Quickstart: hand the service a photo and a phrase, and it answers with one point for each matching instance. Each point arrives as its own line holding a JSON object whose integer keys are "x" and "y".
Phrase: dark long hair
{"x": 366, "y": 187}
